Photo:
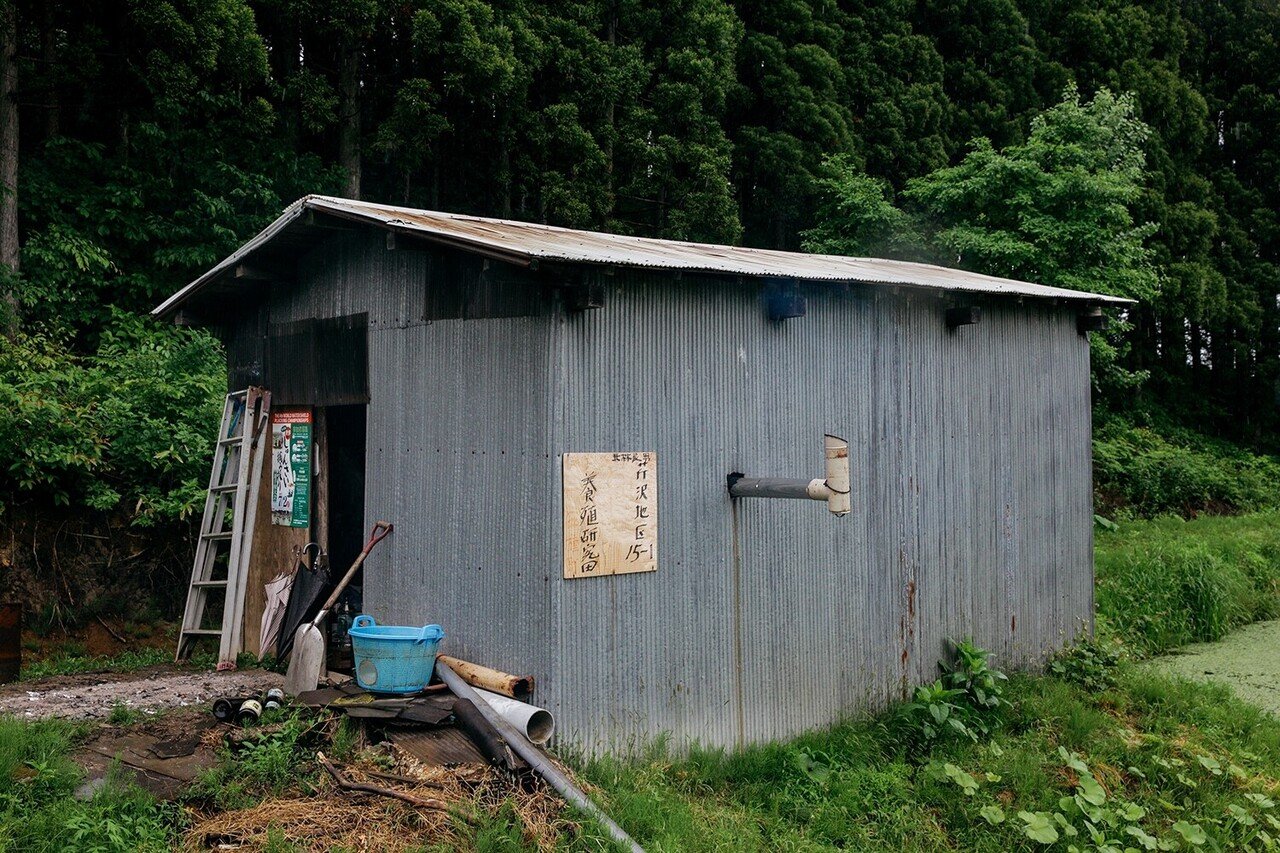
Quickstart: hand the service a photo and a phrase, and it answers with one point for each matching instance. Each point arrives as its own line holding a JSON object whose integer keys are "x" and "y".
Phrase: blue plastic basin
{"x": 393, "y": 658}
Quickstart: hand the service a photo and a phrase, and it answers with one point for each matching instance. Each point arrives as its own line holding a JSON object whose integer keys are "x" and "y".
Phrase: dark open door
{"x": 345, "y": 434}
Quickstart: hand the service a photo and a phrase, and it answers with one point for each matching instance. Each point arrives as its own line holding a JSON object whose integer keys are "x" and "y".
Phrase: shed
{"x": 459, "y": 370}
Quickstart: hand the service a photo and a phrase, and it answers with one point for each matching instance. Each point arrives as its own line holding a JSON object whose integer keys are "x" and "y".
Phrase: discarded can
{"x": 224, "y": 710}
{"x": 275, "y": 699}
{"x": 250, "y": 712}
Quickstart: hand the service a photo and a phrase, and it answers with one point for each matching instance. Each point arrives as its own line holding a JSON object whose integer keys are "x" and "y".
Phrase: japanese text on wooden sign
{"x": 610, "y": 514}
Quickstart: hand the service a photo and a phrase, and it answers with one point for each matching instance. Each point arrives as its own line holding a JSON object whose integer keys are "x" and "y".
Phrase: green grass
{"x": 1169, "y": 751}
{"x": 38, "y": 811}
{"x": 73, "y": 660}
{"x": 1168, "y": 582}
{"x": 277, "y": 758}
{"x": 1165, "y": 754}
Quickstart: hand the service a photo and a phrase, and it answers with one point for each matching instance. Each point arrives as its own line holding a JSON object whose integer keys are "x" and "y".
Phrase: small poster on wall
{"x": 291, "y": 467}
{"x": 610, "y": 513}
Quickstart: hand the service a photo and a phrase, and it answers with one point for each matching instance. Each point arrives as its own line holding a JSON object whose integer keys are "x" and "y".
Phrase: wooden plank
{"x": 610, "y": 513}
{"x": 272, "y": 553}
{"x": 320, "y": 477}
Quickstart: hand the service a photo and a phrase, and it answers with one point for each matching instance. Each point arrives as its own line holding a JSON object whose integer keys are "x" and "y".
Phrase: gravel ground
{"x": 91, "y": 696}
{"x": 1247, "y": 660}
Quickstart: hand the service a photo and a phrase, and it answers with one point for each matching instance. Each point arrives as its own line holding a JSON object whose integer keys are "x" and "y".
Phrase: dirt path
{"x": 1247, "y": 661}
{"x": 92, "y": 696}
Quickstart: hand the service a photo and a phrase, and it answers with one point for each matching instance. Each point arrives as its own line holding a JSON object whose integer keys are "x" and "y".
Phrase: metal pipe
{"x": 473, "y": 721}
{"x": 536, "y": 758}
{"x": 834, "y": 489}
{"x": 776, "y": 487}
{"x": 537, "y": 723}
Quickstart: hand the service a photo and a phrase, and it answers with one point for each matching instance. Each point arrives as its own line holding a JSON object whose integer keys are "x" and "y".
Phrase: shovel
{"x": 307, "y": 661}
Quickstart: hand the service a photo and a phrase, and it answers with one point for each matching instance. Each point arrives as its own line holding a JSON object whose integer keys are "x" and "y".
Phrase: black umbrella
{"x": 311, "y": 585}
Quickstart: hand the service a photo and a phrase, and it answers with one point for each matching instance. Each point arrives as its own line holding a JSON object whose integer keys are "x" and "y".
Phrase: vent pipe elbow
{"x": 836, "y": 451}
{"x": 833, "y": 489}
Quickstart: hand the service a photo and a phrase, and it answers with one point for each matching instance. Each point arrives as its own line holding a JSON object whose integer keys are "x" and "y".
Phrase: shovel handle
{"x": 381, "y": 530}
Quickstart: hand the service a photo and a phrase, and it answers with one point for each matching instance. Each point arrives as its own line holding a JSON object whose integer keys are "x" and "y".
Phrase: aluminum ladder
{"x": 229, "y": 509}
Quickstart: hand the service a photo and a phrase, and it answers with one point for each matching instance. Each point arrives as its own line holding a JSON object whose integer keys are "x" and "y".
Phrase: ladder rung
{"x": 203, "y": 632}
{"x": 224, "y": 535}
{"x": 202, "y": 584}
{"x": 225, "y": 487}
{"x": 235, "y": 439}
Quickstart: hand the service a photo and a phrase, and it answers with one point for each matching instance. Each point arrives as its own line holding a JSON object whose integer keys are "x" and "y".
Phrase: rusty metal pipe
{"x": 515, "y": 686}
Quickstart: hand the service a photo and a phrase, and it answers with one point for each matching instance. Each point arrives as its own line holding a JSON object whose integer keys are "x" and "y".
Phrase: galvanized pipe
{"x": 778, "y": 487}
{"x": 536, "y": 758}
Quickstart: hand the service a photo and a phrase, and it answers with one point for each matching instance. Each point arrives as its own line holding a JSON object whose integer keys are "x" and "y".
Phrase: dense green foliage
{"x": 964, "y": 703}
{"x": 157, "y": 134}
{"x": 132, "y": 424}
{"x": 1152, "y": 467}
{"x": 1168, "y": 582}
{"x": 1055, "y": 209}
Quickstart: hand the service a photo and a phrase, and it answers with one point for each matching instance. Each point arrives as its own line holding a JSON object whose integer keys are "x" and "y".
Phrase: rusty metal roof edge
{"x": 391, "y": 217}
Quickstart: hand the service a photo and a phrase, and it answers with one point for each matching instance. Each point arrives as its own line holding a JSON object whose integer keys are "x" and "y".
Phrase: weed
{"x": 964, "y": 703}
{"x": 346, "y": 738}
{"x": 122, "y": 715}
{"x": 38, "y": 811}
{"x": 1090, "y": 663}
{"x": 73, "y": 659}
{"x": 278, "y": 843}
{"x": 267, "y": 763}
{"x": 981, "y": 685}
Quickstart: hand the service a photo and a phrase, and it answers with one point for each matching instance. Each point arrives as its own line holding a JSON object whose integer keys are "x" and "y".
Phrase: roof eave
{"x": 525, "y": 257}
{"x": 291, "y": 213}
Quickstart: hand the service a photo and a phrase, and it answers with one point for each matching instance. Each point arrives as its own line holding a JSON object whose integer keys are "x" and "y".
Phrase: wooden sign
{"x": 610, "y": 514}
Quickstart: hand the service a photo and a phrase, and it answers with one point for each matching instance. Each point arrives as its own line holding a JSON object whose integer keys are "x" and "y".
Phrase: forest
{"x": 1122, "y": 147}
{"x": 1127, "y": 147}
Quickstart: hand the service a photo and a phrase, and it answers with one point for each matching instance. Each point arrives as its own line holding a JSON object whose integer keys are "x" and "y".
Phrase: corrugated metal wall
{"x": 971, "y": 489}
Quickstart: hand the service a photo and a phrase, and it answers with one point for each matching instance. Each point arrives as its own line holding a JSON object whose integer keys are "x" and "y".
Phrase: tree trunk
{"x": 9, "y": 157}
{"x": 349, "y": 121}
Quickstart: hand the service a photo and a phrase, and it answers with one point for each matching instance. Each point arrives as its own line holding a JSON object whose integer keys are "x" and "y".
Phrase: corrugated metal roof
{"x": 528, "y": 242}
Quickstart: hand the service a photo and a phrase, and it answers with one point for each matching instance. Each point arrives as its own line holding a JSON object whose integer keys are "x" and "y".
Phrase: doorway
{"x": 344, "y": 460}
